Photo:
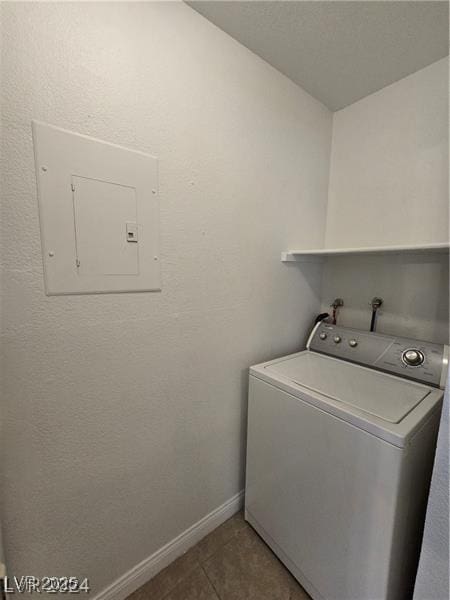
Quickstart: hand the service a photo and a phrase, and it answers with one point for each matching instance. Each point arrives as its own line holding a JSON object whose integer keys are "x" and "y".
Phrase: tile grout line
{"x": 183, "y": 579}
{"x": 211, "y": 583}
{"x": 199, "y": 564}
{"x": 221, "y": 547}
{"x": 203, "y": 563}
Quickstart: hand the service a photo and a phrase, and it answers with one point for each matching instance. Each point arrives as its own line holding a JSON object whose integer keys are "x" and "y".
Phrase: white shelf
{"x": 319, "y": 254}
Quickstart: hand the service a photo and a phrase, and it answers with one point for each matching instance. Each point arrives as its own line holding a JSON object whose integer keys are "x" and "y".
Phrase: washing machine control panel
{"x": 414, "y": 359}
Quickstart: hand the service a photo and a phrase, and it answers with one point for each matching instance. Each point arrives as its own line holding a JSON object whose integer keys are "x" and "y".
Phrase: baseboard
{"x": 149, "y": 567}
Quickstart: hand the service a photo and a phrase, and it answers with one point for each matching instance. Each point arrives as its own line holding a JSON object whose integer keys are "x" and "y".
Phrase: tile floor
{"x": 231, "y": 563}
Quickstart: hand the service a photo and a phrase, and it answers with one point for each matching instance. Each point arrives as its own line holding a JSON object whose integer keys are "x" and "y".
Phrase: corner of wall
{"x": 330, "y": 174}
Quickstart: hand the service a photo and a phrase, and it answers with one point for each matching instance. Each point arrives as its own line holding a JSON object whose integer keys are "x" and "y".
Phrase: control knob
{"x": 352, "y": 343}
{"x": 413, "y": 357}
{"x": 337, "y": 339}
{"x": 323, "y": 335}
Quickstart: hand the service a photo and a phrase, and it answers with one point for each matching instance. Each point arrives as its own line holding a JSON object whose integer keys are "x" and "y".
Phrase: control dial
{"x": 413, "y": 357}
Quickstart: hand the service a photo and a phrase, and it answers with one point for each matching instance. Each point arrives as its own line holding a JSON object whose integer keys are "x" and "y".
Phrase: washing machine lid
{"x": 384, "y": 396}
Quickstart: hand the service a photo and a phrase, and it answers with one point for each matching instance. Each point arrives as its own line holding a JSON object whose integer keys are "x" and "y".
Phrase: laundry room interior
{"x": 224, "y": 299}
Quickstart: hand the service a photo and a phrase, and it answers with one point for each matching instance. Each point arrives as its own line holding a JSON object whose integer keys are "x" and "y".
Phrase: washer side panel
{"x": 324, "y": 491}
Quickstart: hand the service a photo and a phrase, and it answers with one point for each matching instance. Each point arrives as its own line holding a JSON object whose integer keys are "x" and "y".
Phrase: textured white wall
{"x": 389, "y": 165}
{"x": 389, "y": 185}
{"x": 415, "y": 290}
{"x": 124, "y": 414}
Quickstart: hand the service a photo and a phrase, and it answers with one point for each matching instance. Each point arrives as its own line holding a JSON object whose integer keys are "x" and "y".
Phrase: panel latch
{"x": 132, "y": 232}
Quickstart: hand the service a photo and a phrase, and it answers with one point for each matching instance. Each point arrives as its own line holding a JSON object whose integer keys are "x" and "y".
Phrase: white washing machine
{"x": 341, "y": 440}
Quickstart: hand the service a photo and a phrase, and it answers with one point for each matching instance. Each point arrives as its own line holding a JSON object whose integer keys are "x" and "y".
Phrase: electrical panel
{"x": 99, "y": 214}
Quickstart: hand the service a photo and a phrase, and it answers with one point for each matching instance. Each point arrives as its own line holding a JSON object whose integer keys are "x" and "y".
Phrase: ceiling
{"x": 338, "y": 51}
